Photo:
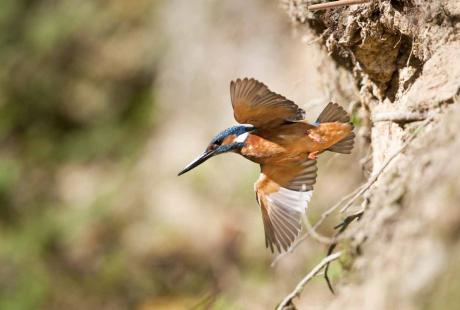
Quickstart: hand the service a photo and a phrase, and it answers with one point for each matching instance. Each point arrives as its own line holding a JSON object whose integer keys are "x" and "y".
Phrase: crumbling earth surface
{"x": 404, "y": 57}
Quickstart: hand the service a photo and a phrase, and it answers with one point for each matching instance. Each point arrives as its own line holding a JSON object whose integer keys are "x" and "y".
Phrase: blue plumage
{"x": 234, "y": 130}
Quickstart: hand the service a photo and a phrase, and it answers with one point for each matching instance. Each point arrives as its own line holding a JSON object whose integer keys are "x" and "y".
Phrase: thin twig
{"x": 323, "y": 217}
{"x": 331, "y": 210}
{"x": 348, "y": 220}
{"x": 311, "y": 231}
{"x": 326, "y": 269}
{"x": 206, "y": 302}
{"x": 398, "y": 117}
{"x": 335, "y": 4}
{"x": 342, "y": 226}
{"x": 300, "y": 286}
{"x": 399, "y": 40}
{"x": 332, "y": 240}
{"x": 410, "y": 54}
{"x": 387, "y": 162}
{"x": 311, "y": 41}
{"x": 319, "y": 38}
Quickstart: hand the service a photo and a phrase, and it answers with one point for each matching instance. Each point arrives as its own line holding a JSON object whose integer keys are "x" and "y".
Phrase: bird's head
{"x": 230, "y": 140}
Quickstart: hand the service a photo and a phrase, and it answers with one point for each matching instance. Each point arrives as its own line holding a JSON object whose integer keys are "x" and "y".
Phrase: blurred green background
{"x": 101, "y": 104}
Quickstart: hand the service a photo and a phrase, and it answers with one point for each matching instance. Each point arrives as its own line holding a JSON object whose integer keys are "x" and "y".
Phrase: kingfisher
{"x": 273, "y": 133}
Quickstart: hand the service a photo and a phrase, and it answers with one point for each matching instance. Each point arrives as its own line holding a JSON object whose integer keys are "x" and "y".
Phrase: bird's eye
{"x": 212, "y": 147}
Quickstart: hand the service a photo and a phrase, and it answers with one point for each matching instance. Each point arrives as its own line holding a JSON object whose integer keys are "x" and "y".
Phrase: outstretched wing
{"x": 253, "y": 103}
{"x": 283, "y": 193}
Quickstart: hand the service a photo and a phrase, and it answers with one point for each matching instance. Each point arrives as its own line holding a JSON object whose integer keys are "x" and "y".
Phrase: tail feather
{"x": 335, "y": 113}
{"x": 344, "y": 146}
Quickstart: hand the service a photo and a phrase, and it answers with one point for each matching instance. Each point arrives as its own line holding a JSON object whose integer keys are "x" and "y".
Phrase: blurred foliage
{"x": 78, "y": 111}
{"x": 76, "y": 88}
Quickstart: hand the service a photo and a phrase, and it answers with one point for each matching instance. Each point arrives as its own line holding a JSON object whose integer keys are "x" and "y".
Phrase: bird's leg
{"x": 313, "y": 155}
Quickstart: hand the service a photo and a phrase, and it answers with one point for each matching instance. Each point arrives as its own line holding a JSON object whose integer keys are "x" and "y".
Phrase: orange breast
{"x": 261, "y": 150}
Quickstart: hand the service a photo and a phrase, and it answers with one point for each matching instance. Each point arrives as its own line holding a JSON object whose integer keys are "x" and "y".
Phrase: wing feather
{"x": 269, "y": 232}
{"x": 282, "y": 237}
{"x": 296, "y": 176}
{"x": 287, "y": 221}
{"x": 253, "y": 103}
{"x": 281, "y": 205}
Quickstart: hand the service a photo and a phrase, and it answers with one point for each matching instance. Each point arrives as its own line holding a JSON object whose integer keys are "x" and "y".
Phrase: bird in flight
{"x": 274, "y": 134}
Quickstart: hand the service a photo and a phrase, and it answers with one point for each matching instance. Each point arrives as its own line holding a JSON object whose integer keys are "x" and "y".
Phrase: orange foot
{"x": 313, "y": 155}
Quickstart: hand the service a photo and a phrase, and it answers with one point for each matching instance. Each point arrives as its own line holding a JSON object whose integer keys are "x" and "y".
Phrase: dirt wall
{"x": 404, "y": 57}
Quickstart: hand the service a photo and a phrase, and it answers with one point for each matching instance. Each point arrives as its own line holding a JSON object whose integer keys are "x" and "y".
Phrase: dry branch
{"x": 287, "y": 301}
{"x": 341, "y": 228}
{"x": 398, "y": 117}
{"x": 335, "y": 4}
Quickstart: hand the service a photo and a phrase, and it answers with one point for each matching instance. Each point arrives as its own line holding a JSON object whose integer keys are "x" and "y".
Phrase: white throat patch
{"x": 242, "y": 138}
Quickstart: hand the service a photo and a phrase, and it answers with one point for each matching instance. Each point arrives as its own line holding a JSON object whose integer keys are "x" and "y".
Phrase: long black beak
{"x": 201, "y": 159}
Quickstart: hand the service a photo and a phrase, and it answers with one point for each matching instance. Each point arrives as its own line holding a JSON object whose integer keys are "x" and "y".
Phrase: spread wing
{"x": 253, "y": 103}
{"x": 283, "y": 193}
